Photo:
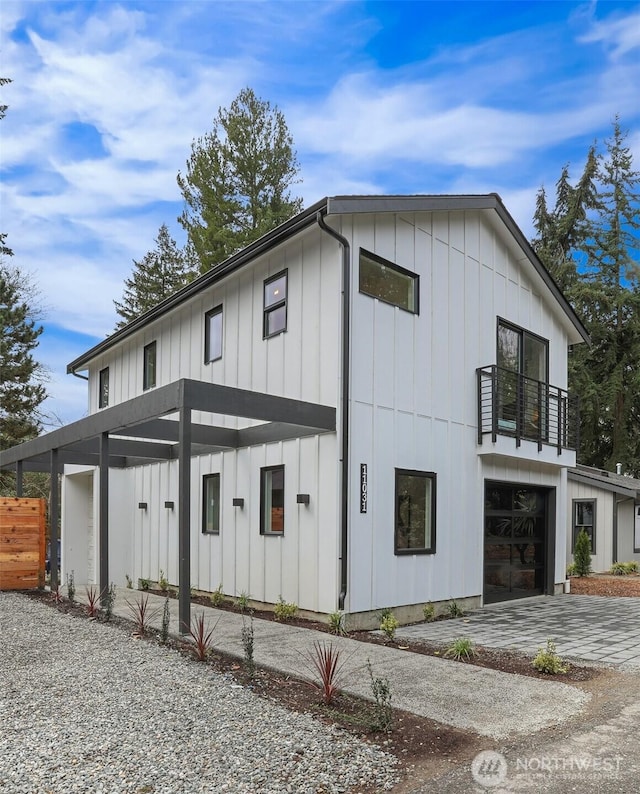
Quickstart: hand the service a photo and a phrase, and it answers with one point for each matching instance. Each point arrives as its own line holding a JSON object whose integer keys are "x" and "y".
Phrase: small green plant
{"x": 454, "y": 610}
{"x": 71, "y": 587}
{"x": 144, "y": 584}
{"x": 548, "y": 661}
{"x": 284, "y": 611}
{"x": 381, "y": 690}
{"x": 582, "y": 554}
{"x": 461, "y": 649}
{"x": 129, "y": 581}
{"x": 571, "y": 569}
{"x": 108, "y": 600}
{"x": 388, "y": 625}
{"x": 624, "y": 568}
{"x": 429, "y": 612}
{"x": 141, "y": 613}
{"x": 163, "y": 582}
{"x": 166, "y": 617}
{"x": 93, "y": 601}
{"x": 336, "y": 623}
{"x": 242, "y": 601}
{"x": 217, "y": 597}
{"x": 326, "y": 663}
{"x": 201, "y": 635}
{"x": 247, "y": 647}
{"x": 56, "y": 595}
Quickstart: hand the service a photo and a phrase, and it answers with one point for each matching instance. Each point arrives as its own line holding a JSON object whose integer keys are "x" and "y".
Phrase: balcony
{"x": 510, "y": 404}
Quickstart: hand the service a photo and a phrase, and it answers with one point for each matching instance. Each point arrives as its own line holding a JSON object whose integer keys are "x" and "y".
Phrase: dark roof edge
{"x": 339, "y": 205}
{"x": 602, "y": 481}
{"x": 217, "y": 272}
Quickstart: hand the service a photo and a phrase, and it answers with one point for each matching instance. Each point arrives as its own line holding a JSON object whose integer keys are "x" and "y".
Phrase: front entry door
{"x": 515, "y": 530}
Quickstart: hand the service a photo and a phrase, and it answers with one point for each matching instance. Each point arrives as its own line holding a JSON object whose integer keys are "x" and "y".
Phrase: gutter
{"x": 344, "y": 474}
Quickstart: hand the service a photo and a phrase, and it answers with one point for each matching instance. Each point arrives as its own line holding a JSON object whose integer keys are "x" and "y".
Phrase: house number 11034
{"x": 363, "y": 487}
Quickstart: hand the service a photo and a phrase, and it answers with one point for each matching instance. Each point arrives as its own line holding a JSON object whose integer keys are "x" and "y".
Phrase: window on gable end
{"x": 149, "y": 366}
{"x": 275, "y": 305}
{"x": 103, "y": 388}
{"x": 388, "y": 282}
{"x": 213, "y": 335}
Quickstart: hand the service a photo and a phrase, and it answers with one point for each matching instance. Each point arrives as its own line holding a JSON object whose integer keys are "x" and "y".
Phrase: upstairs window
{"x": 584, "y": 517}
{"x": 415, "y": 508}
{"x": 213, "y": 335}
{"x": 272, "y": 500}
{"x": 149, "y": 366}
{"x": 103, "y": 388}
{"x": 388, "y": 282}
{"x": 275, "y": 305}
{"x": 211, "y": 504}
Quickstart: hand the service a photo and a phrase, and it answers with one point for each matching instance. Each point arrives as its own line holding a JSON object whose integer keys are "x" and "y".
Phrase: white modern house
{"x": 365, "y": 408}
{"x": 607, "y": 506}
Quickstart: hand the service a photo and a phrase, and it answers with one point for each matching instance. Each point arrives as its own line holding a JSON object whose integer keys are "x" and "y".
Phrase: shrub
{"x": 108, "y": 600}
{"x": 71, "y": 586}
{"x": 388, "y": 625}
{"x": 336, "y": 623}
{"x": 624, "y": 568}
{"x": 548, "y": 661}
{"x": 429, "y": 612}
{"x": 460, "y": 649}
{"x": 163, "y": 582}
{"x": 217, "y": 597}
{"x": 382, "y": 696}
{"x": 285, "y": 611}
{"x": 571, "y": 569}
{"x": 93, "y": 601}
{"x": 166, "y": 618}
{"x": 129, "y": 581}
{"x": 326, "y": 662}
{"x": 144, "y": 584}
{"x": 141, "y": 613}
{"x": 582, "y": 554}
{"x": 201, "y": 636}
{"x": 247, "y": 647}
{"x": 454, "y": 610}
{"x": 242, "y": 601}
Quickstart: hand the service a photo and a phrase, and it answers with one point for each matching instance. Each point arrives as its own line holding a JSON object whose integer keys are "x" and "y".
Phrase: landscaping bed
{"x": 606, "y": 584}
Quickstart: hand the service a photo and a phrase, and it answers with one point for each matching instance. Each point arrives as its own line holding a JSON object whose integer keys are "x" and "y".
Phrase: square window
{"x": 272, "y": 500}
{"x": 103, "y": 388}
{"x": 149, "y": 366}
{"x": 275, "y": 305}
{"x": 213, "y": 335}
{"x": 388, "y": 282}
{"x": 584, "y": 517}
{"x": 211, "y": 504}
{"x": 415, "y": 512}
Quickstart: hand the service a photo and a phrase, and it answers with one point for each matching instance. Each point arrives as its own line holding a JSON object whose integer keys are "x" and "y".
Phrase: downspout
{"x": 77, "y": 375}
{"x": 344, "y": 476}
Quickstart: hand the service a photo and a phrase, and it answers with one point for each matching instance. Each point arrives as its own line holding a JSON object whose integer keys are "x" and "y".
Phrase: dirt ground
{"x": 425, "y": 748}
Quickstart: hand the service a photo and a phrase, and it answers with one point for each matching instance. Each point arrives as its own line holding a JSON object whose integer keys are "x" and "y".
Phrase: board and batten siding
{"x": 302, "y": 363}
{"x": 605, "y": 505}
{"x": 413, "y": 387}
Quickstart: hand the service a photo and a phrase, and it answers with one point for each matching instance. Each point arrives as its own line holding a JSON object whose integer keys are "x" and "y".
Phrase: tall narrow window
{"x": 415, "y": 509}
{"x": 388, "y": 282}
{"x": 272, "y": 500}
{"x": 103, "y": 388}
{"x": 149, "y": 366}
{"x": 636, "y": 536}
{"x": 584, "y": 517}
{"x": 275, "y": 305}
{"x": 213, "y": 335}
{"x": 211, "y": 504}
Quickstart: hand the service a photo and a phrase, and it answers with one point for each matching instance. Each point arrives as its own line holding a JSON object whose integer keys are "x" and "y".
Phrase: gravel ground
{"x": 85, "y": 707}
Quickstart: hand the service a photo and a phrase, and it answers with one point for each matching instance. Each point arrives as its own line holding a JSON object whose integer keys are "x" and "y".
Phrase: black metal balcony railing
{"x": 510, "y": 404}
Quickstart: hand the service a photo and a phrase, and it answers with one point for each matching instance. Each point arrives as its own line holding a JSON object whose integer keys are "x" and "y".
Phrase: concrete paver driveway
{"x": 589, "y": 628}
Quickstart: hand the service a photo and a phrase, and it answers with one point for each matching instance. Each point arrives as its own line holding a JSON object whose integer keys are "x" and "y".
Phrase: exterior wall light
{"x": 169, "y": 505}
{"x": 142, "y": 505}
{"x": 238, "y": 501}
{"x": 302, "y": 498}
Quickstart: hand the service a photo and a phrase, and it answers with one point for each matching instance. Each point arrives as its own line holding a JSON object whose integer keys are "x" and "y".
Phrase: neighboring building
{"x": 607, "y": 507}
{"x": 352, "y": 413}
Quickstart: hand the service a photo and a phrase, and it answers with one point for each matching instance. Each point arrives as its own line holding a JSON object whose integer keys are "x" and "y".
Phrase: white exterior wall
{"x": 628, "y": 534}
{"x": 414, "y": 399}
{"x": 605, "y": 505}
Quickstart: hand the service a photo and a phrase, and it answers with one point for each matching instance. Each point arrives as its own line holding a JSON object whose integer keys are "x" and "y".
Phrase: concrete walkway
{"x": 490, "y": 702}
{"x": 584, "y": 628}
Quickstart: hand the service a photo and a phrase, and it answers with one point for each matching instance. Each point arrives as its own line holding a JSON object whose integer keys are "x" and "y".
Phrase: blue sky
{"x": 380, "y": 97}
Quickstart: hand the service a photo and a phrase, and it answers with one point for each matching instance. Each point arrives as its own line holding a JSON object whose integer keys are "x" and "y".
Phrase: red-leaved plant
{"x": 141, "y": 613}
{"x": 326, "y": 662}
{"x": 201, "y": 635}
{"x": 93, "y": 601}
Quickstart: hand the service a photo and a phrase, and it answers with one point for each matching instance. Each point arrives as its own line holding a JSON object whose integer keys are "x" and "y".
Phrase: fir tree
{"x": 159, "y": 274}
{"x": 238, "y": 175}
{"x": 582, "y": 554}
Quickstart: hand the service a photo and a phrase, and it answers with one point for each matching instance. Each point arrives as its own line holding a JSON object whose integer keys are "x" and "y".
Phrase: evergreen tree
{"x": 236, "y": 184}
{"x": 589, "y": 242}
{"x": 159, "y": 274}
{"x": 4, "y": 248}
{"x": 582, "y": 554}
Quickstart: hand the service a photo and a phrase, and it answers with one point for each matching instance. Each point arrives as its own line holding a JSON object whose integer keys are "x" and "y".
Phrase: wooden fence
{"x": 22, "y": 543}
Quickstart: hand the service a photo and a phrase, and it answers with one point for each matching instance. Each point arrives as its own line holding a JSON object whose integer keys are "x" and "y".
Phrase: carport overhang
{"x": 158, "y": 426}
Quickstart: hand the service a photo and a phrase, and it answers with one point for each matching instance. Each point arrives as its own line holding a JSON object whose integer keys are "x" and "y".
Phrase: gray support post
{"x": 54, "y": 512}
{"x": 19, "y": 478}
{"x": 103, "y": 581}
{"x": 184, "y": 520}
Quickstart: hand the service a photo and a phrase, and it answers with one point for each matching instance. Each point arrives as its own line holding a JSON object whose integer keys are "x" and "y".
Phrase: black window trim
{"x": 205, "y": 479}
{"x": 523, "y": 332}
{"x": 399, "y": 269}
{"x": 636, "y": 515}
{"x": 102, "y": 402}
{"x": 263, "y": 471}
{"x": 427, "y": 475}
{"x": 267, "y": 310}
{"x": 207, "y": 336}
{"x": 149, "y": 347}
{"x": 574, "y": 533}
